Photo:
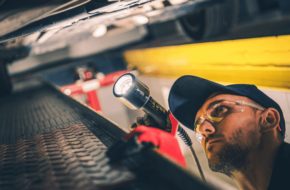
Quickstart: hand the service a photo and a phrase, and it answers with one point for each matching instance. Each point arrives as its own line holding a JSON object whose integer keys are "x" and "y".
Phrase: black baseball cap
{"x": 189, "y": 93}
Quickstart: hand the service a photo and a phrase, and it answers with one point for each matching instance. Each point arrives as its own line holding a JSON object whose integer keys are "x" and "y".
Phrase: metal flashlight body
{"x": 136, "y": 95}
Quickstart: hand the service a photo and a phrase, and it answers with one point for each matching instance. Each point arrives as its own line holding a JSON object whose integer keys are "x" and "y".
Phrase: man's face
{"x": 228, "y": 144}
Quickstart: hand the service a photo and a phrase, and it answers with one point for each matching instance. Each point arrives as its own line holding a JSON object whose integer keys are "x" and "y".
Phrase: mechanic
{"x": 240, "y": 128}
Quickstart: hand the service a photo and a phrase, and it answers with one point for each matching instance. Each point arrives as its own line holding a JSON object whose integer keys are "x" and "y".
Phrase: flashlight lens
{"x": 126, "y": 87}
{"x": 123, "y": 85}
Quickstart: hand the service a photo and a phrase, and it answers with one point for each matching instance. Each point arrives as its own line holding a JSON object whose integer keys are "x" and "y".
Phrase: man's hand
{"x": 144, "y": 136}
{"x": 165, "y": 142}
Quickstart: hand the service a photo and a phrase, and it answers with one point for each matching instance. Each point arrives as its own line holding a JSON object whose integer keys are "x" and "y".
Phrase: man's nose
{"x": 206, "y": 128}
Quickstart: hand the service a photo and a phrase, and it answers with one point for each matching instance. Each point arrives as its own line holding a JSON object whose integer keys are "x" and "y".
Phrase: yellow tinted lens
{"x": 198, "y": 122}
{"x": 197, "y": 127}
{"x": 215, "y": 119}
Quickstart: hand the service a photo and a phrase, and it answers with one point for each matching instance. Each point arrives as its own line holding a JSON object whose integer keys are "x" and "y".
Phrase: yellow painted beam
{"x": 260, "y": 61}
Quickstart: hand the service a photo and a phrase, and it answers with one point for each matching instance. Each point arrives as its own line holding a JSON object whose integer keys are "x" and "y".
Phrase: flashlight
{"x": 136, "y": 95}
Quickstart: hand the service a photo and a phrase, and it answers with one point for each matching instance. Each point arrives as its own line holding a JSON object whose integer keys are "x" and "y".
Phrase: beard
{"x": 232, "y": 157}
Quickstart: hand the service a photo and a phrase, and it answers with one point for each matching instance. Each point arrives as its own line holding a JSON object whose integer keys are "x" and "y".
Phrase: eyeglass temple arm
{"x": 243, "y": 102}
{"x": 256, "y": 106}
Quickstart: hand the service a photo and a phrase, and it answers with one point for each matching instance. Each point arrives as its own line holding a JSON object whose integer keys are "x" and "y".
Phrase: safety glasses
{"x": 217, "y": 112}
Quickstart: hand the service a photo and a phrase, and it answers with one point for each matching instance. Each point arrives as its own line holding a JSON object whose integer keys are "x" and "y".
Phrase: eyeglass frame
{"x": 238, "y": 102}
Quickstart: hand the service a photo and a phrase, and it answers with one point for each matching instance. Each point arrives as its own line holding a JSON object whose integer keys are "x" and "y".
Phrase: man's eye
{"x": 220, "y": 110}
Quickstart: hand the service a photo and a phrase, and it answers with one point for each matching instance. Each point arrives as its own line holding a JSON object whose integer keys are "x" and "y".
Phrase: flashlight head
{"x": 131, "y": 91}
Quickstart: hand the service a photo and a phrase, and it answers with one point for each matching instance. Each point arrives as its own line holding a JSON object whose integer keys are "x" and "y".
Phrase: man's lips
{"x": 210, "y": 142}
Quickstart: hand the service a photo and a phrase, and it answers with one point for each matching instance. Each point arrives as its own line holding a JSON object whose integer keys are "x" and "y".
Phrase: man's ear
{"x": 270, "y": 120}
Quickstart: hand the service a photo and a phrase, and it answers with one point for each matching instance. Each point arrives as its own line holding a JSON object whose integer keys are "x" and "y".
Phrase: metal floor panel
{"x": 67, "y": 158}
{"x": 45, "y": 143}
{"x": 35, "y": 110}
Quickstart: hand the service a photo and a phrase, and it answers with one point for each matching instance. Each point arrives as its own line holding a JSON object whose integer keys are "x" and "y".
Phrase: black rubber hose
{"x": 186, "y": 139}
{"x": 184, "y": 136}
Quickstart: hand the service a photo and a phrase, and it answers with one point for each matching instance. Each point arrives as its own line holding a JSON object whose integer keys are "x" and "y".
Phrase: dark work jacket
{"x": 281, "y": 172}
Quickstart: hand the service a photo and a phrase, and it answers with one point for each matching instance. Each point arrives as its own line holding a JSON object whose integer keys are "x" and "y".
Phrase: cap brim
{"x": 188, "y": 94}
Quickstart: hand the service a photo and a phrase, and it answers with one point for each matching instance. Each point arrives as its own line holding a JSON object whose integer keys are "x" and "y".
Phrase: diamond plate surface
{"x": 37, "y": 111}
{"x": 35, "y": 108}
{"x": 68, "y": 158}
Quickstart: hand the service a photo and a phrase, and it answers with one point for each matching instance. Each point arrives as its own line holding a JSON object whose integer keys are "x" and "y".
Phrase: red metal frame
{"x": 93, "y": 100}
{"x": 90, "y": 87}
